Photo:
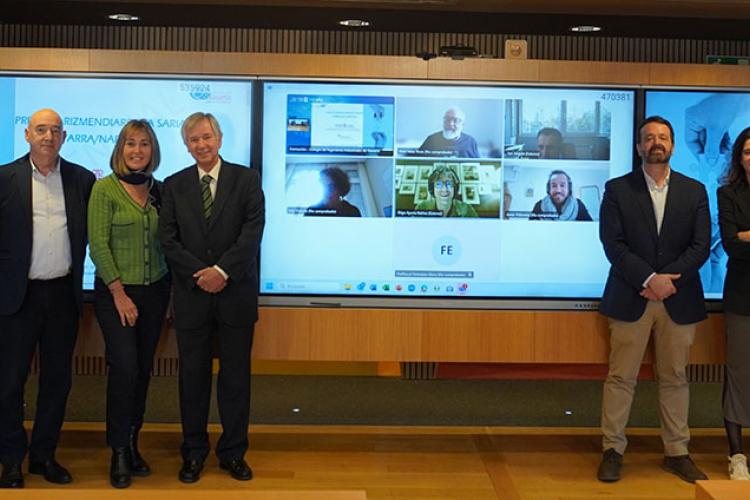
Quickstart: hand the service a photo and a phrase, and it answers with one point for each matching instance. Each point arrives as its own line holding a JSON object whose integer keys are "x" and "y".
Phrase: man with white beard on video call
{"x": 451, "y": 141}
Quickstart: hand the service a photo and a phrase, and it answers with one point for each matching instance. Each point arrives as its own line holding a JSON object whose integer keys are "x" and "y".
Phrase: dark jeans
{"x": 48, "y": 318}
{"x": 130, "y": 354}
{"x": 233, "y": 387}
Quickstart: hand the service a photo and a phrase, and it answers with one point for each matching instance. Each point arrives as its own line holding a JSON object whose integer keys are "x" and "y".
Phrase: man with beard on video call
{"x": 560, "y": 204}
{"x": 451, "y": 141}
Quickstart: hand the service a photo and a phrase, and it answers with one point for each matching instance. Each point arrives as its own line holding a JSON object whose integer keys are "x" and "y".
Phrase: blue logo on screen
{"x": 198, "y": 91}
{"x": 411, "y": 288}
{"x": 446, "y": 250}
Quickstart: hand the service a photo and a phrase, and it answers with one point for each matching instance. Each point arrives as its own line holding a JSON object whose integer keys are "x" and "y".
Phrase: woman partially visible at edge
{"x": 734, "y": 221}
{"x": 131, "y": 289}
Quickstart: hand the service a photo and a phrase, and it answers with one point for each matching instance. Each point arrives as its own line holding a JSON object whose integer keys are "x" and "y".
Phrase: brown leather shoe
{"x": 610, "y": 466}
{"x": 683, "y": 467}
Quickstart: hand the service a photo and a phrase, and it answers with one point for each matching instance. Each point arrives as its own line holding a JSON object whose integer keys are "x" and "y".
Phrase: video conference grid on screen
{"x": 438, "y": 191}
{"x": 95, "y": 109}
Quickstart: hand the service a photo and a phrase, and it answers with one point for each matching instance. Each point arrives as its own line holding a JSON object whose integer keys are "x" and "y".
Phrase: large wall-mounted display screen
{"x": 94, "y": 109}
{"x": 387, "y": 190}
{"x": 706, "y": 123}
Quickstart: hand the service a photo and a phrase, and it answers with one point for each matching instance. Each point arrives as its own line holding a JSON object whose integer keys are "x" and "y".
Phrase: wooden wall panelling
{"x": 593, "y": 72}
{"x": 699, "y": 74}
{"x": 44, "y": 60}
{"x": 338, "y": 334}
{"x": 129, "y": 61}
{"x": 709, "y": 346}
{"x": 504, "y": 70}
{"x": 90, "y": 340}
{"x": 300, "y": 65}
{"x": 570, "y": 337}
{"x": 491, "y": 336}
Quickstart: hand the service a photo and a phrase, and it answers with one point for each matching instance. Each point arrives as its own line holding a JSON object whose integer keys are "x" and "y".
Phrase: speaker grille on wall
{"x": 705, "y": 373}
{"x": 412, "y": 370}
{"x": 365, "y": 42}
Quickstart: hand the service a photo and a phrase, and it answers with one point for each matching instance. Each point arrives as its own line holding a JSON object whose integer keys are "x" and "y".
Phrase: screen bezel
{"x": 416, "y": 302}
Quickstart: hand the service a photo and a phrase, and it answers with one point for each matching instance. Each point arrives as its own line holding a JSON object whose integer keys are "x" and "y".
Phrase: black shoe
{"x": 609, "y": 468}
{"x": 12, "y": 477}
{"x": 52, "y": 471}
{"x": 683, "y": 467}
{"x": 138, "y": 466}
{"x": 190, "y": 471}
{"x": 119, "y": 468}
{"x": 238, "y": 469}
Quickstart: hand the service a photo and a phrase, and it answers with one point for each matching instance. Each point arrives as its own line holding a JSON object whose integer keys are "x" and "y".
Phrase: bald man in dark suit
{"x": 43, "y": 202}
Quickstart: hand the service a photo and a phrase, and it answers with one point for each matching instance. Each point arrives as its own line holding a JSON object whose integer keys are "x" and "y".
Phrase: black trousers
{"x": 129, "y": 352}
{"x": 48, "y": 318}
{"x": 233, "y": 387}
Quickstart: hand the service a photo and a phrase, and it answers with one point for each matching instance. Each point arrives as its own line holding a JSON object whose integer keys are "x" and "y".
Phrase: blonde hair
{"x": 117, "y": 160}
{"x": 193, "y": 120}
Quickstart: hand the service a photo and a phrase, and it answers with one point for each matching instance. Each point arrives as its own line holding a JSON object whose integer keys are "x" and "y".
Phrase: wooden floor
{"x": 409, "y": 463}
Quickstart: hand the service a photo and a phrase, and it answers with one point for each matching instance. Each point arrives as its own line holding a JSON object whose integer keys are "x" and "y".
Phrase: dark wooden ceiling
{"x": 687, "y": 19}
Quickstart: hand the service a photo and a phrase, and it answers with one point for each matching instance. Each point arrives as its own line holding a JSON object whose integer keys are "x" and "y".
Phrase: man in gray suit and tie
{"x": 210, "y": 225}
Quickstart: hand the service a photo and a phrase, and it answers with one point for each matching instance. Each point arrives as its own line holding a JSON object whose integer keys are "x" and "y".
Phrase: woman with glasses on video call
{"x": 444, "y": 189}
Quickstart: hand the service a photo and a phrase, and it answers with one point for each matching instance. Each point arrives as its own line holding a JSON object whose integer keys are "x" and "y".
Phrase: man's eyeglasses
{"x": 444, "y": 185}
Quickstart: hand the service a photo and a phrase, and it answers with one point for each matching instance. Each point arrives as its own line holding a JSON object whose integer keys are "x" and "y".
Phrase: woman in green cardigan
{"x": 131, "y": 289}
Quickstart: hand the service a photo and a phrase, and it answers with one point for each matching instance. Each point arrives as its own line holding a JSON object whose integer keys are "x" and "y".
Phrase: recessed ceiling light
{"x": 123, "y": 17}
{"x": 354, "y": 23}
{"x": 585, "y": 28}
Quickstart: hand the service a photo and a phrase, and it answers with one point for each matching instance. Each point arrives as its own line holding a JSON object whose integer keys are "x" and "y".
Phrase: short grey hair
{"x": 193, "y": 120}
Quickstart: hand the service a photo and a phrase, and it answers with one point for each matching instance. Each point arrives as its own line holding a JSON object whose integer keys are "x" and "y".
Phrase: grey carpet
{"x": 345, "y": 400}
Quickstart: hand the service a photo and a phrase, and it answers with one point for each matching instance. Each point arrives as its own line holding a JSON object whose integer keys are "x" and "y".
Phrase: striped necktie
{"x": 208, "y": 200}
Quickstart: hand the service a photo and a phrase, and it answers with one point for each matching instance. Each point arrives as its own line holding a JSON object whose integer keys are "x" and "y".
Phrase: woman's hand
{"x": 126, "y": 308}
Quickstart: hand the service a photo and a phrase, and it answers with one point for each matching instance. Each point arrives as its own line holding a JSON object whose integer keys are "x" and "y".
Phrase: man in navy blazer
{"x": 210, "y": 224}
{"x": 43, "y": 202}
{"x": 655, "y": 228}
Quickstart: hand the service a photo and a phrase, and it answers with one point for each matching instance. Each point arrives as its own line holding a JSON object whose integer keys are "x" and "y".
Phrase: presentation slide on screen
{"x": 380, "y": 189}
{"x": 705, "y": 127}
{"x": 340, "y": 124}
{"x": 95, "y": 109}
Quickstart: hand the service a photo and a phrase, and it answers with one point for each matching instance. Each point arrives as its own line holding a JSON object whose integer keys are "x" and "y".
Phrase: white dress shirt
{"x": 214, "y": 174}
{"x": 659, "y": 201}
{"x": 658, "y": 196}
{"x": 50, "y": 248}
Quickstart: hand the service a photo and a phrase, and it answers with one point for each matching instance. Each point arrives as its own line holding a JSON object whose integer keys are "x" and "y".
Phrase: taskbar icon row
{"x": 366, "y": 288}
